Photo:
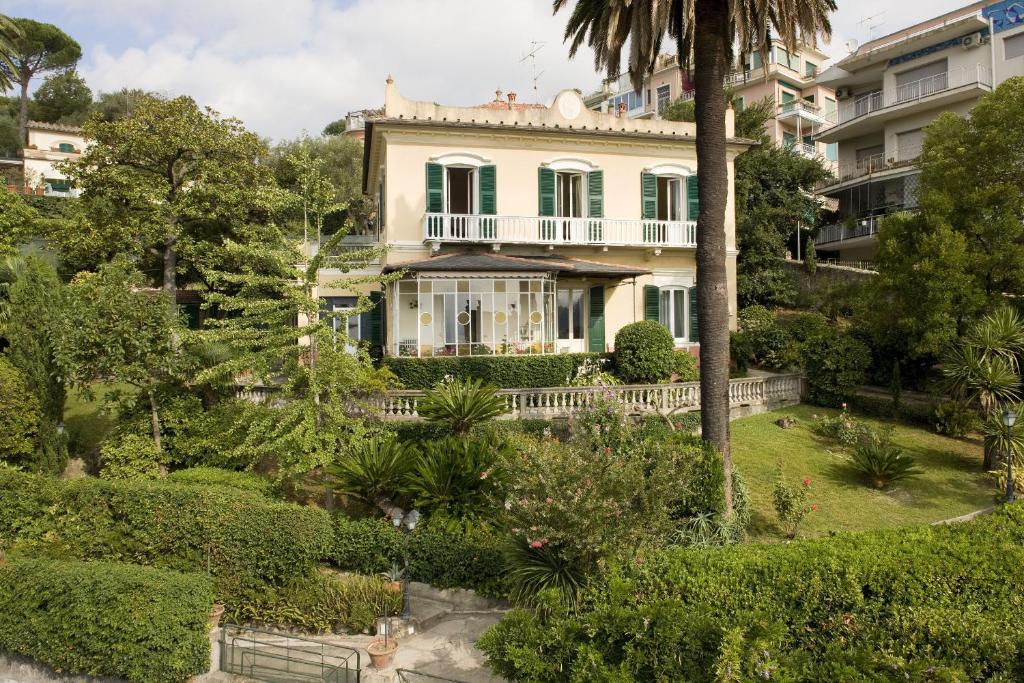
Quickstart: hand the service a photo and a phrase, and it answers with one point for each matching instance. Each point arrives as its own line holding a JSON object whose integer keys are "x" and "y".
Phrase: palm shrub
{"x": 374, "y": 471}
{"x": 457, "y": 480}
{"x": 996, "y": 441}
{"x": 881, "y": 462}
{"x": 644, "y": 352}
{"x": 461, "y": 404}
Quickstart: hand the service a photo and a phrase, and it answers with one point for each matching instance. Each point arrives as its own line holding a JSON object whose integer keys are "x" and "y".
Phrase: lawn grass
{"x": 85, "y": 421}
{"x": 951, "y": 485}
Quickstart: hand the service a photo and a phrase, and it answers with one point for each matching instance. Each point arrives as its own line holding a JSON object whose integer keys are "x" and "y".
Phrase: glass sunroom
{"x": 483, "y": 304}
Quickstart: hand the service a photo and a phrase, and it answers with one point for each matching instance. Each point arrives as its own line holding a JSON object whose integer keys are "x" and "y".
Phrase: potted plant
{"x": 394, "y": 577}
{"x": 382, "y": 651}
{"x": 215, "y": 614}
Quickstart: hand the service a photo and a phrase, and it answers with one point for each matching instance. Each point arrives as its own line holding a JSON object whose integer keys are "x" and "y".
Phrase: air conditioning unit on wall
{"x": 843, "y": 93}
{"x": 972, "y": 41}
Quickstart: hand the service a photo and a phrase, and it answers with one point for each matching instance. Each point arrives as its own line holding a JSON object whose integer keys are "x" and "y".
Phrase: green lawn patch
{"x": 952, "y": 484}
{"x": 86, "y": 422}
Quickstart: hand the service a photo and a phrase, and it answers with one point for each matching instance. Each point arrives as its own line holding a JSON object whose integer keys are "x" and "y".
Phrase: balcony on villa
{"x": 551, "y": 231}
{"x": 872, "y": 167}
{"x": 865, "y": 112}
{"x": 802, "y": 109}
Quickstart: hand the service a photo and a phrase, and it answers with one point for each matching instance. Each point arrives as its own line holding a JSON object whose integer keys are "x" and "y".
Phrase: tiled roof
{"x": 59, "y": 127}
{"x": 476, "y": 262}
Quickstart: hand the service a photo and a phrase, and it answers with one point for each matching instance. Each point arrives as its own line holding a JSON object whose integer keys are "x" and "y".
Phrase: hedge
{"x": 505, "y": 372}
{"x": 935, "y": 603}
{"x": 237, "y": 535}
{"x": 216, "y": 476}
{"x": 444, "y": 560}
{"x": 106, "y": 619}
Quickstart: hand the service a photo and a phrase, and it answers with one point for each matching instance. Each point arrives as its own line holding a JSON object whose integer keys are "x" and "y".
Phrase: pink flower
{"x": 807, "y": 482}
{"x": 814, "y": 507}
{"x": 483, "y": 475}
{"x": 607, "y": 450}
{"x": 535, "y": 544}
{"x": 549, "y": 501}
{"x": 844, "y": 406}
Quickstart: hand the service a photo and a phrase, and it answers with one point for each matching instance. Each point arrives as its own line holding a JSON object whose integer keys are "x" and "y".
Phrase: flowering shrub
{"x": 791, "y": 503}
{"x": 591, "y": 373}
{"x": 844, "y": 428}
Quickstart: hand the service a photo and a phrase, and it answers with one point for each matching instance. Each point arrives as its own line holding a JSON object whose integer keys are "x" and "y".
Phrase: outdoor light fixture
{"x": 405, "y": 522}
{"x": 1009, "y": 419}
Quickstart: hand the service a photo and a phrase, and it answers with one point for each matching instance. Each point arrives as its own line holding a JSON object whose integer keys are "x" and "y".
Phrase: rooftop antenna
{"x": 865, "y": 22}
{"x": 535, "y": 47}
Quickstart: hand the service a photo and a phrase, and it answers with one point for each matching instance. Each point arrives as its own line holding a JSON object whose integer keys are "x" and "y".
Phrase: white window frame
{"x": 474, "y": 185}
{"x": 579, "y": 203}
{"x": 667, "y": 313}
{"x": 583, "y": 312}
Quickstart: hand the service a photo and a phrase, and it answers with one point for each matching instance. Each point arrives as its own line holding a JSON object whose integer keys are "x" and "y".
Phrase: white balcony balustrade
{"x": 878, "y": 100}
{"x": 445, "y": 227}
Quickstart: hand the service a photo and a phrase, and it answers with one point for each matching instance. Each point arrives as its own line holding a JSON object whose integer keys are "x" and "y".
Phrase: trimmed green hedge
{"x": 505, "y": 372}
{"x": 237, "y": 535}
{"x": 934, "y": 603}
{"x": 442, "y": 559}
{"x": 106, "y": 619}
{"x": 215, "y": 476}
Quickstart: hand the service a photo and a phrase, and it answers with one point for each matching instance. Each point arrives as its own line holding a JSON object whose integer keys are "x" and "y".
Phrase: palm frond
{"x": 9, "y": 33}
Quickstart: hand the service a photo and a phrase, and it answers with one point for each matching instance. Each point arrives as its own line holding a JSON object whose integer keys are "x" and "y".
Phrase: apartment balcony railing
{"x": 444, "y": 227}
{"x": 864, "y": 226}
{"x": 872, "y": 102}
{"x": 875, "y": 163}
{"x": 800, "y": 108}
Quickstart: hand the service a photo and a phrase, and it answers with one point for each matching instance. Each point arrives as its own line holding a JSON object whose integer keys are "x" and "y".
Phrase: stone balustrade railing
{"x": 764, "y": 393}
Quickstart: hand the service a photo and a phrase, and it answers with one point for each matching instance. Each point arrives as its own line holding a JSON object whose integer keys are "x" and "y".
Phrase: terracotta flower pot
{"x": 381, "y": 654}
{"x": 215, "y": 614}
{"x": 395, "y": 586}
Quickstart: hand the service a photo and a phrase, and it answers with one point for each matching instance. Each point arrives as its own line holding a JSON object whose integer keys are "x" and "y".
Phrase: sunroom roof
{"x": 486, "y": 262}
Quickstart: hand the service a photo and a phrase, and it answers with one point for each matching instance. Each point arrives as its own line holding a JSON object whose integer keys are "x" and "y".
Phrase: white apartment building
{"x": 888, "y": 91}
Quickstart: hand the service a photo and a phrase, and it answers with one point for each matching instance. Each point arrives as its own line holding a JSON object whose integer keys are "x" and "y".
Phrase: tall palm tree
{"x": 705, "y": 33}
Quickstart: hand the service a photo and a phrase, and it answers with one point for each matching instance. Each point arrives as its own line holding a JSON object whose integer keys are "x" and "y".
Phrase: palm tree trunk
{"x": 711, "y": 41}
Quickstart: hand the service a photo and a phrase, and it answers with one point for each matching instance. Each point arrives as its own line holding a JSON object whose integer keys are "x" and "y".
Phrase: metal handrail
{"x": 411, "y": 676}
{"x": 331, "y": 659}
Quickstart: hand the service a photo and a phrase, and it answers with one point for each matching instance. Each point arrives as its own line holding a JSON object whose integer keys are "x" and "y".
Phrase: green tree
{"x": 35, "y": 299}
{"x": 63, "y": 97}
{"x": 110, "y": 106}
{"x": 116, "y": 330}
{"x": 750, "y": 122}
{"x": 17, "y": 222}
{"x": 9, "y": 32}
{"x": 169, "y": 184}
{"x": 38, "y": 48}
{"x": 19, "y": 416}
{"x": 335, "y": 127}
{"x": 705, "y": 32}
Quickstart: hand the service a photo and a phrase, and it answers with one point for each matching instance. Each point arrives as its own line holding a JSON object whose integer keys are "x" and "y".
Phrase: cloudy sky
{"x": 288, "y": 66}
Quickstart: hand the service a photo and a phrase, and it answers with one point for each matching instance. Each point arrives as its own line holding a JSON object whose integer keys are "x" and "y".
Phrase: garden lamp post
{"x": 1009, "y": 418}
{"x": 405, "y": 522}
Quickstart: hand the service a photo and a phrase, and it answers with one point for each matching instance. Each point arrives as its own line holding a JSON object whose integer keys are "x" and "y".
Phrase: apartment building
{"x": 888, "y": 91}
{"x": 530, "y": 229}
{"x": 789, "y": 78}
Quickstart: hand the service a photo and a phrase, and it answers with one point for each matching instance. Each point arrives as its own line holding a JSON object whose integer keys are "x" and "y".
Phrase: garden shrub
{"x": 458, "y": 405}
{"x": 320, "y": 603}
{"x": 129, "y": 456}
{"x": 644, "y": 352}
{"x": 373, "y": 471}
{"x": 235, "y": 534}
{"x": 106, "y": 619}
{"x": 684, "y": 366}
{"x": 766, "y": 342}
{"x": 215, "y": 476}
{"x": 930, "y": 603}
{"x": 444, "y": 559}
{"x": 882, "y": 462}
{"x": 20, "y": 414}
{"x": 505, "y": 372}
{"x": 834, "y": 364}
{"x": 918, "y": 412}
{"x": 953, "y": 418}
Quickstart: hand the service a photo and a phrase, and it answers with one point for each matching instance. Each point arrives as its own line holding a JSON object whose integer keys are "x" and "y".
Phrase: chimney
{"x": 622, "y": 108}
{"x": 511, "y": 98}
{"x": 497, "y": 95}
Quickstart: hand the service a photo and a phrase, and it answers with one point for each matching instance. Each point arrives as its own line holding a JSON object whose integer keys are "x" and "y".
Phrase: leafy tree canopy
{"x": 335, "y": 127}
{"x": 63, "y": 97}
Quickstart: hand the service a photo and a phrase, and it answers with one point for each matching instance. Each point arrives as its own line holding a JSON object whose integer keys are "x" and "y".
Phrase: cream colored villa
{"x": 531, "y": 229}
{"x": 49, "y": 143}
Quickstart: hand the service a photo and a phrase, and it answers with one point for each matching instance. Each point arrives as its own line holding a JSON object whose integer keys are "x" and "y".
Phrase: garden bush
{"x": 834, "y": 363}
{"x": 505, "y": 372}
{"x": 644, "y": 352}
{"x": 320, "y": 603}
{"x": 684, "y": 366}
{"x": 129, "y": 456}
{"x": 20, "y": 414}
{"x": 215, "y": 476}
{"x": 932, "y": 603}
{"x": 444, "y": 559}
{"x": 766, "y": 342}
{"x": 106, "y": 619}
{"x": 953, "y": 418}
{"x": 237, "y": 535}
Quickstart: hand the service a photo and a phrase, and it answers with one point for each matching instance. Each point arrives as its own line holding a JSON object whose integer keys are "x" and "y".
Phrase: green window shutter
{"x": 435, "y": 188}
{"x": 692, "y": 198}
{"x": 376, "y": 332}
{"x": 488, "y": 191}
{"x": 595, "y": 326}
{"x": 694, "y": 337}
{"x": 595, "y": 194}
{"x": 545, "y": 192}
{"x": 649, "y": 192}
{"x": 652, "y": 303}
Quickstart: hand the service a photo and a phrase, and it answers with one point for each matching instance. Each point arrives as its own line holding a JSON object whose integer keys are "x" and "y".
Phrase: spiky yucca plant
{"x": 375, "y": 471}
{"x": 457, "y": 480}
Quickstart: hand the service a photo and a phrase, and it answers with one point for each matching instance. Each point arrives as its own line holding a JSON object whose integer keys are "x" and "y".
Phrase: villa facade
{"x": 531, "y": 229}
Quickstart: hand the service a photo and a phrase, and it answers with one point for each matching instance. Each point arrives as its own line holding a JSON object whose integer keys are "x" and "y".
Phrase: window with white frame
{"x": 569, "y": 196}
{"x": 674, "y": 311}
{"x": 570, "y": 312}
{"x": 664, "y": 96}
{"x": 670, "y": 198}
{"x": 340, "y": 314}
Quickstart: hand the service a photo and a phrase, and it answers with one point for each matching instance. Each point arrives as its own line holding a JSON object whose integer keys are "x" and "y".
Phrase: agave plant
{"x": 881, "y": 462}
{"x": 375, "y": 471}
{"x": 461, "y": 404}
{"x": 456, "y": 480}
